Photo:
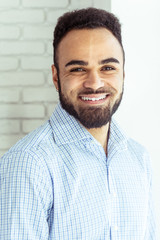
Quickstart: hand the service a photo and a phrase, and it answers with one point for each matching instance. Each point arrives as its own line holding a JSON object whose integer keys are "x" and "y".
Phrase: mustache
{"x": 108, "y": 90}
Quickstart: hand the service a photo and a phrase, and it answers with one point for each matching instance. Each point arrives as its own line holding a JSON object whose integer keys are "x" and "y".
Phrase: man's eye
{"x": 77, "y": 70}
{"x": 107, "y": 68}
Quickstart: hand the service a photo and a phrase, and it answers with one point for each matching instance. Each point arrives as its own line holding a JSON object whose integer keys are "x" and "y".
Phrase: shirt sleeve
{"x": 151, "y": 233}
{"x": 25, "y": 198}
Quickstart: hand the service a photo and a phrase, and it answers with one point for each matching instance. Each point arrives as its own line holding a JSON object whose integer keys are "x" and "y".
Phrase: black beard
{"x": 90, "y": 117}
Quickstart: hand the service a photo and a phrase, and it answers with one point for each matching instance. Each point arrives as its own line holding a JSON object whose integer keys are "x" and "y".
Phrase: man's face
{"x": 90, "y": 78}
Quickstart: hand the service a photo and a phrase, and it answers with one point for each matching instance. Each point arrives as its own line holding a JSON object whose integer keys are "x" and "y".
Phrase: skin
{"x": 90, "y": 59}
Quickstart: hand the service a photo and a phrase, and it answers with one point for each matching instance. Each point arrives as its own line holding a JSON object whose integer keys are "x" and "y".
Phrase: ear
{"x": 55, "y": 77}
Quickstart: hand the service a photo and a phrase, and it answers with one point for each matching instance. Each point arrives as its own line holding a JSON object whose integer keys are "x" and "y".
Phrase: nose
{"x": 93, "y": 81}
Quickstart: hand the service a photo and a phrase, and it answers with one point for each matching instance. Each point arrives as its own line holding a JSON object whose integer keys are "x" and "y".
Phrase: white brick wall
{"x": 27, "y": 95}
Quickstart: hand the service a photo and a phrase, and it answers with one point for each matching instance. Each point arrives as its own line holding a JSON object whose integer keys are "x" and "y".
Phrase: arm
{"x": 151, "y": 225}
{"x": 150, "y": 233}
{"x": 25, "y": 198}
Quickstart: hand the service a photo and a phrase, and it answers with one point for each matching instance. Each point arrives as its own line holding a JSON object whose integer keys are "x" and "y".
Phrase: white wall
{"x": 139, "y": 113}
{"x": 27, "y": 95}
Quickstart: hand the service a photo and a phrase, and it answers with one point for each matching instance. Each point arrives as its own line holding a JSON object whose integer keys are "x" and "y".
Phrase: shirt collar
{"x": 67, "y": 129}
{"x": 117, "y": 139}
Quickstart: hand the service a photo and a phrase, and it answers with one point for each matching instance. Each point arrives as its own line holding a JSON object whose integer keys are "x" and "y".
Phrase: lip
{"x": 94, "y": 99}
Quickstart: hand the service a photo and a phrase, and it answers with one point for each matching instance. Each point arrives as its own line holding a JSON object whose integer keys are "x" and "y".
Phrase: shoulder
{"x": 25, "y": 171}
{"x": 36, "y": 143}
{"x": 34, "y": 140}
{"x": 141, "y": 155}
{"x": 136, "y": 148}
{"x": 31, "y": 153}
{"x": 120, "y": 136}
{"x": 137, "y": 152}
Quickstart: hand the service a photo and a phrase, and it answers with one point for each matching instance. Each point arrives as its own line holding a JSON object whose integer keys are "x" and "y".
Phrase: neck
{"x": 101, "y": 135}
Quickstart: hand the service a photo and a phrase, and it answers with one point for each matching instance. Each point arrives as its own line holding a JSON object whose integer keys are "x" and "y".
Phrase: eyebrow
{"x": 84, "y": 63}
{"x": 76, "y": 62}
{"x": 108, "y": 60}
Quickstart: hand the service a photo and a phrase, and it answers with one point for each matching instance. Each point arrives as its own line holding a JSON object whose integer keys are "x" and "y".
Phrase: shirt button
{"x": 115, "y": 228}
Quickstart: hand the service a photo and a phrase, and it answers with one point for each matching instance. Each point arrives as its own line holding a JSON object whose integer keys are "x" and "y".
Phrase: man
{"x": 79, "y": 176}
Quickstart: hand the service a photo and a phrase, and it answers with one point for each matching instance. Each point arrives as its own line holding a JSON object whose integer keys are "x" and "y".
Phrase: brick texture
{"x": 22, "y": 78}
{"x": 36, "y": 63}
{"x": 27, "y": 94}
{"x": 17, "y": 111}
{"x": 21, "y": 47}
{"x": 22, "y": 16}
{"x": 45, "y": 3}
{"x": 48, "y": 94}
{"x": 9, "y": 3}
{"x": 9, "y": 95}
{"x": 9, "y": 126}
{"x": 8, "y": 63}
{"x": 9, "y": 32}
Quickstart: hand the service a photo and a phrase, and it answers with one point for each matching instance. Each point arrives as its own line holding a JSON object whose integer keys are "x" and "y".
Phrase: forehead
{"x": 87, "y": 44}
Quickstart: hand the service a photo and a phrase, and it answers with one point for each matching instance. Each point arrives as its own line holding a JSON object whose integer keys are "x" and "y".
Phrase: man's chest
{"x": 95, "y": 201}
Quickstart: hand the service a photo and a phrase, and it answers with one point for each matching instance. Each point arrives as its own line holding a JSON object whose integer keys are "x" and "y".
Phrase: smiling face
{"x": 90, "y": 78}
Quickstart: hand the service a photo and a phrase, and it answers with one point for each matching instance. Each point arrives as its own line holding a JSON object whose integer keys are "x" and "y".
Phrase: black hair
{"x": 89, "y": 18}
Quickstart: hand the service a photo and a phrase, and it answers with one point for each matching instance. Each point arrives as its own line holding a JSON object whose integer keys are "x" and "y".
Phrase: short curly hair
{"x": 87, "y": 18}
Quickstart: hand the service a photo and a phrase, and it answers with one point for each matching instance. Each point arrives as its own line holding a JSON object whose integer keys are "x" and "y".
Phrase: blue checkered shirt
{"x": 57, "y": 183}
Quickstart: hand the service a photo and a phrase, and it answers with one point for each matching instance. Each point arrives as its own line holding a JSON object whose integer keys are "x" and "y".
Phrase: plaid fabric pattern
{"x": 57, "y": 183}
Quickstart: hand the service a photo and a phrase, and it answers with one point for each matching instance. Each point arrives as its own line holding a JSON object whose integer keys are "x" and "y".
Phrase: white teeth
{"x": 93, "y": 99}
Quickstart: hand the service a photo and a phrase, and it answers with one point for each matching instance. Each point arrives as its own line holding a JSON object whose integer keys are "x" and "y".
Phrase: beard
{"x": 91, "y": 116}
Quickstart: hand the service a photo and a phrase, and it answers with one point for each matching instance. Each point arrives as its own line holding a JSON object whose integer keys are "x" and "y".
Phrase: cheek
{"x": 120, "y": 87}
{"x": 68, "y": 88}
{"x": 115, "y": 82}
{"x": 118, "y": 82}
{"x": 69, "y": 85}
